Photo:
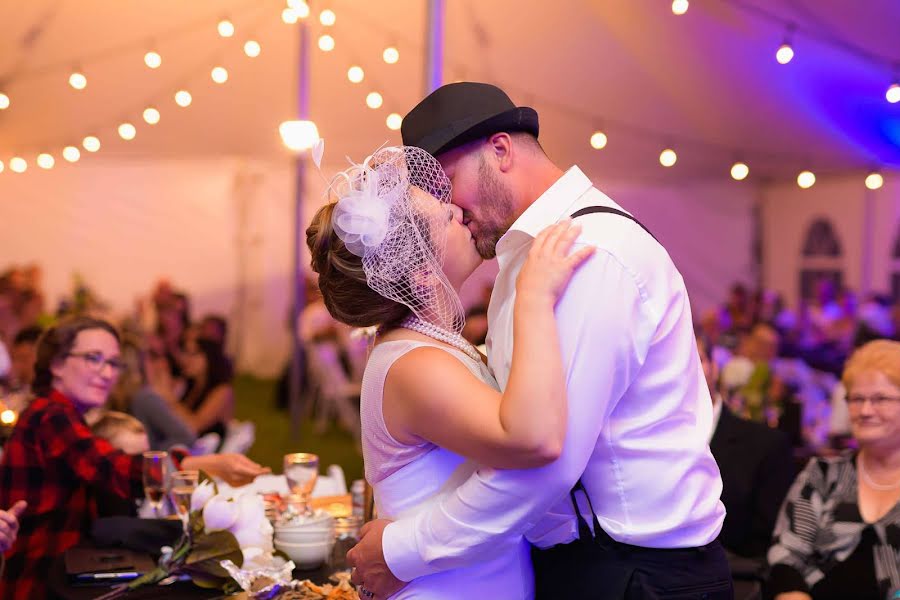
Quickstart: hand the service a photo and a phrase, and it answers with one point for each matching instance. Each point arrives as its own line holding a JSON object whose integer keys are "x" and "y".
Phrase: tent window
{"x": 821, "y": 258}
{"x": 821, "y": 240}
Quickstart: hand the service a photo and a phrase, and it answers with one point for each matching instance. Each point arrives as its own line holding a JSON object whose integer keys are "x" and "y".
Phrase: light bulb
{"x": 300, "y": 8}
{"x": 4, "y": 101}
{"x": 219, "y": 74}
{"x": 326, "y": 43}
{"x": 374, "y": 100}
{"x": 226, "y": 28}
{"x": 90, "y": 143}
{"x": 289, "y": 16}
{"x": 45, "y": 161}
{"x": 17, "y": 164}
{"x": 252, "y": 48}
{"x": 806, "y": 179}
{"x": 151, "y": 116}
{"x": 355, "y": 74}
{"x": 327, "y": 17}
{"x": 78, "y": 81}
{"x": 127, "y": 131}
{"x": 299, "y": 135}
{"x": 390, "y": 55}
{"x": 892, "y": 94}
{"x": 183, "y": 98}
{"x": 598, "y": 140}
{"x": 667, "y": 157}
{"x": 394, "y": 121}
{"x": 785, "y": 54}
{"x": 739, "y": 171}
{"x": 153, "y": 60}
{"x": 679, "y": 7}
{"x": 874, "y": 181}
{"x": 71, "y": 154}
{"x": 8, "y": 417}
{"x": 1, "y": 166}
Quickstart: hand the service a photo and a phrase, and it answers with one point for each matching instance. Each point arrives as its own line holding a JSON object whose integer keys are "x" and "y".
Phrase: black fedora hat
{"x": 458, "y": 113}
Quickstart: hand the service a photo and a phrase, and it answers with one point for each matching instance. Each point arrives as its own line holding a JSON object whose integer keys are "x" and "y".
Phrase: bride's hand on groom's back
{"x": 370, "y": 571}
{"x": 549, "y": 265}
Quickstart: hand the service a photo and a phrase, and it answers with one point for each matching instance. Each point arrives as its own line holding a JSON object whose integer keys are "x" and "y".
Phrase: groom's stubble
{"x": 496, "y": 210}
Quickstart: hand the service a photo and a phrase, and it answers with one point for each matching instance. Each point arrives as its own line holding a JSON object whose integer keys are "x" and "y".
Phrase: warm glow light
{"x": 226, "y": 28}
{"x": 153, "y": 60}
{"x": 806, "y": 179}
{"x": 892, "y": 94}
{"x": 8, "y": 417}
{"x": 300, "y": 8}
{"x": 874, "y": 181}
{"x": 679, "y": 7}
{"x": 299, "y": 135}
{"x": 667, "y": 157}
{"x": 394, "y": 121}
{"x": 4, "y": 101}
{"x": 327, "y": 17}
{"x": 45, "y": 161}
{"x": 598, "y": 140}
{"x": 17, "y": 164}
{"x": 390, "y": 55}
{"x": 289, "y": 16}
{"x": 151, "y": 116}
{"x": 1, "y": 166}
{"x": 71, "y": 154}
{"x": 183, "y": 98}
{"x": 374, "y": 100}
{"x": 355, "y": 74}
{"x": 785, "y": 54}
{"x": 127, "y": 131}
{"x": 219, "y": 74}
{"x": 739, "y": 171}
{"x": 252, "y": 48}
{"x": 90, "y": 143}
{"x": 78, "y": 81}
{"x": 326, "y": 43}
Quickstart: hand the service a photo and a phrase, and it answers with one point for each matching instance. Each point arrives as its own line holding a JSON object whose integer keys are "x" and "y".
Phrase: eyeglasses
{"x": 95, "y": 361}
{"x": 877, "y": 400}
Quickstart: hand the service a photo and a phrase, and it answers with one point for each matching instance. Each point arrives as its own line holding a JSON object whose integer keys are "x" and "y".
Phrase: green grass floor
{"x": 254, "y": 401}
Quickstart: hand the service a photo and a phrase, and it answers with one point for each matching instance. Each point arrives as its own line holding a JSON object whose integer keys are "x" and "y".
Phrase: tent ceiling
{"x": 647, "y": 77}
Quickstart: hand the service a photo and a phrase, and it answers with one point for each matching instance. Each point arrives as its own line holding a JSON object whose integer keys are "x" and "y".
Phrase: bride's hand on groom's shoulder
{"x": 549, "y": 265}
{"x": 370, "y": 571}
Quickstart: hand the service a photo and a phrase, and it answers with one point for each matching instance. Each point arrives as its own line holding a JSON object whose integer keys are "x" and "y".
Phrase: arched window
{"x": 821, "y": 258}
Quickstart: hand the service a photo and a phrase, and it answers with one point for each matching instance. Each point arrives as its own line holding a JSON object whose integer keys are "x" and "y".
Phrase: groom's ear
{"x": 500, "y": 146}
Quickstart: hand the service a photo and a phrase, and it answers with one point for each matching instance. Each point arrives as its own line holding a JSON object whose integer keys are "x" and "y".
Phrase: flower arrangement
{"x": 219, "y": 526}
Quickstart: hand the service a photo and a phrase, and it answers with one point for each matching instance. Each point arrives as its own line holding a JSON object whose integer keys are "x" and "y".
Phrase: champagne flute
{"x": 301, "y": 470}
{"x": 155, "y": 467}
{"x": 181, "y": 487}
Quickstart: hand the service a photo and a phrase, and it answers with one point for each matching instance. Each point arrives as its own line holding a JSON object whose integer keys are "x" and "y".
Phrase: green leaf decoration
{"x": 209, "y": 550}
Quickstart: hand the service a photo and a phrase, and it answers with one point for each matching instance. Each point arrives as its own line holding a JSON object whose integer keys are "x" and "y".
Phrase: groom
{"x": 631, "y": 509}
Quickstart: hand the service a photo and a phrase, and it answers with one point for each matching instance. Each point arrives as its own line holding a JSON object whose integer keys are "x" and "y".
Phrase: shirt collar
{"x": 550, "y": 207}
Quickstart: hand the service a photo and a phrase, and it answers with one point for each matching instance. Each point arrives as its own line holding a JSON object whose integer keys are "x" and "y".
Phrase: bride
{"x": 392, "y": 252}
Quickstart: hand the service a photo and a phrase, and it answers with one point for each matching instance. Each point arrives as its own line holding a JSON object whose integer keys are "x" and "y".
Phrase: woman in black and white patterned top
{"x": 838, "y": 533}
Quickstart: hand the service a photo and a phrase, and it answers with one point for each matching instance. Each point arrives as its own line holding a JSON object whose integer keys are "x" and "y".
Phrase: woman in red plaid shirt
{"x": 53, "y": 462}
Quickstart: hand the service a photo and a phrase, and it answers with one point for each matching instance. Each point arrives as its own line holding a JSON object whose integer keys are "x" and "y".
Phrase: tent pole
{"x": 434, "y": 58}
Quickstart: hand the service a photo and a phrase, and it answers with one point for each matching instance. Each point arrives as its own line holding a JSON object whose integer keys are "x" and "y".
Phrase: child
{"x": 122, "y": 431}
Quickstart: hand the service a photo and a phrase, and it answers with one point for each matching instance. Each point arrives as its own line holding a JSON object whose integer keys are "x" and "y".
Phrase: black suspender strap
{"x": 614, "y": 211}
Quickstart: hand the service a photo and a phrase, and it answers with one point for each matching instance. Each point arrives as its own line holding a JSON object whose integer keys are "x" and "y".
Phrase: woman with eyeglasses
{"x": 53, "y": 462}
{"x": 838, "y": 533}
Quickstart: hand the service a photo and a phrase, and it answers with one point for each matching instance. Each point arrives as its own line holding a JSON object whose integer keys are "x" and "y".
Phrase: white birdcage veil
{"x": 393, "y": 211}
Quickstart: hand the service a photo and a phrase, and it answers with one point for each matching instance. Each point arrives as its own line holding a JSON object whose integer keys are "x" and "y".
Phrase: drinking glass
{"x": 301, "y": 470}
{"x": 181, "y": 486}
{"x": 155, "y": 469}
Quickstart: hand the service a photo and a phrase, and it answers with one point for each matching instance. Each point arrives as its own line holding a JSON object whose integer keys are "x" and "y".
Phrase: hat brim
{"x": 522, "y": 118}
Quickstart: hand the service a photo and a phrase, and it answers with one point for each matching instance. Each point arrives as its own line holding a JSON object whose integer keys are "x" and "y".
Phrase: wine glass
{"x": 155, "y": 467}
{"x": 301, "y": 470}
{"x": 181, "y": 487}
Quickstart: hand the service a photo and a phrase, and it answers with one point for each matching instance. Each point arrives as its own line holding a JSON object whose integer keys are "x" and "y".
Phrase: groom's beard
{"x": 495, "y": 211}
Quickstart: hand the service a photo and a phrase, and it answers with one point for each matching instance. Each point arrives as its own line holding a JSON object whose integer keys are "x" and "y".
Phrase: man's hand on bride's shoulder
{"x": 549, "y": 265}
{"x": 370, "y": 571}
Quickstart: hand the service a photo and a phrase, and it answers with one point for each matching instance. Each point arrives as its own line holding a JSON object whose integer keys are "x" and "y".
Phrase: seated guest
{"x": 838, "y": 532}
{"x": 122, "y": 431}
{"x": 54, "y": 463}
{"x": 757, "y": 469}
{"x": 208, "y": 402}
{"x": 23, "y": 354}
{"x": 213, "y": 328}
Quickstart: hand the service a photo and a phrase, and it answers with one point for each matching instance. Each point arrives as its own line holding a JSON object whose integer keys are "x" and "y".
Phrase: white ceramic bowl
{"x": 306, "y": 556}
{"x": 304, "y": 536}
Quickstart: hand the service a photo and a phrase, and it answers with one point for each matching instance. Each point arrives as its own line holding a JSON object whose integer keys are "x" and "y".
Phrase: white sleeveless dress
{"x": 408, "y": 478}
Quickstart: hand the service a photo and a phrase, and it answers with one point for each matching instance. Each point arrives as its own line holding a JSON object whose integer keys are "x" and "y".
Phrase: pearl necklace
{"x": 875, "y": 486}
{"x": 456, "y": 340}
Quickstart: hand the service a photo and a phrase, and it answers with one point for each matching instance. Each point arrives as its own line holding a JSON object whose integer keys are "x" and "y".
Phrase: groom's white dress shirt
{"x": 639, "y": 411}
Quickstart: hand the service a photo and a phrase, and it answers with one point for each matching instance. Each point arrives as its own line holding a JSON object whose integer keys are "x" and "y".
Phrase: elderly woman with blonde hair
{"x": 838, "y": 533}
